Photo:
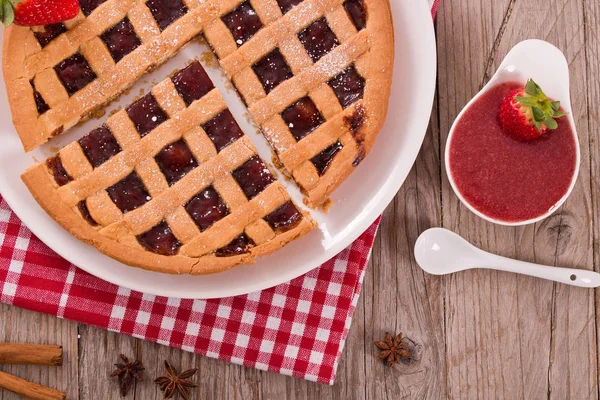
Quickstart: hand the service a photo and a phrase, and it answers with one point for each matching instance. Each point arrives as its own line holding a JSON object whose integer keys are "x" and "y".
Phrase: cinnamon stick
{"x": 33, "y": 354}
{"x": 28, "y": 389}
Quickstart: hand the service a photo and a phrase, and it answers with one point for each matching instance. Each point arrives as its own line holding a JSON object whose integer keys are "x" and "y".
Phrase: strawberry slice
{"x": 37, "y": 12}
{"x": 527, "y": 113}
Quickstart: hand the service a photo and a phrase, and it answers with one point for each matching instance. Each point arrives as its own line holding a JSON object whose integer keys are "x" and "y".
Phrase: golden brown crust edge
{"x": 16, "y": 87}
{"x": 375, "y": 99}
{"x": 43, "y": 190}
{"x": 377, "y": 93}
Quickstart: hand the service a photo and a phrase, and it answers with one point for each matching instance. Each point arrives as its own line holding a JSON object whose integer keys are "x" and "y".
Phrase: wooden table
{"x": 480, "y": 334}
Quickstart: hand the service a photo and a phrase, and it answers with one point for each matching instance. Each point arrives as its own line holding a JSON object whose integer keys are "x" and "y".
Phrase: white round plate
{"x": 357, "y": 203}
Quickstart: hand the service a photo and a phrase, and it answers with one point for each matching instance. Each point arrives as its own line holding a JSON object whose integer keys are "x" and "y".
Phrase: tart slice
{"x": 316, "y": 76}
{"x": 58, "y": 75}
{"x": 170, "y": 184}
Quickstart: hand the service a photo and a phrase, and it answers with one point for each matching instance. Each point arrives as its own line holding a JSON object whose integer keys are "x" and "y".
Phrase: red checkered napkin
{"x": 434, "y": 6}
{"x": 297, "y": 328}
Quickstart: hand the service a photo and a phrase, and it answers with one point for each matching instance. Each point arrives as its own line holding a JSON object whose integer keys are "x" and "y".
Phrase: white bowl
{"x": 548, "y": 66}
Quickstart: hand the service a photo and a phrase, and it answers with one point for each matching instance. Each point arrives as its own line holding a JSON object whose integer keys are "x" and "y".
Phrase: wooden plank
{"x": 480, "y": 306}
{"x": 18, "y": 325}
{"x": 398, "y": 296}
{"x": 573, "y": 372}
{"x": 503, "y": 330}
{"x": 591, "y": 15}
{"x": 153, "y": 356}
{"x": 99, "y": 350}
{"x": 567, "y": 235}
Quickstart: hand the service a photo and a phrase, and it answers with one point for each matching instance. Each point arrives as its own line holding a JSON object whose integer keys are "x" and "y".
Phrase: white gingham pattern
{"x": 297, "y": 328}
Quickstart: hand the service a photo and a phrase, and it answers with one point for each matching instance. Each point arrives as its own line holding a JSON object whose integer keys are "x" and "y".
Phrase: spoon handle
{"x": 569, "y": 276}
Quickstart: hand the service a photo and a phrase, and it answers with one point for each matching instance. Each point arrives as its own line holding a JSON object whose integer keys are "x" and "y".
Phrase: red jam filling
{"x": 175, "y": 161}
{"x": 75, "y": 73}
{"x": 165, "y": 12}
{"x": 302, "y": 117}
{"x": 146, "y": 114}
{"x": 223, "y": 130}
{"x": 87, "y": 6}
{"x": 40, "y": 103}
{"x": 129, "y": 193}
{"x": 192, "y": 83}
{"x": 99, "y": 146}
{"x": 49, "y": 33}
{"x": 121, "y": 40}
{"x": 253, "y": 177}
{"x": 322, "y": 160}
{"x": 318, "y": 39}
{"x": 287, "y": 5}
{"x": 272, "y": 70}
{"x": 284, "y": 218}
{"x": 348, "y": 86}
{"x": 243, "y": 22}
{"x": 160, "y": 240}
{"x": 358, "y": 13}
{"x": 238, "y": 246}
{"x": 206, "y": 208}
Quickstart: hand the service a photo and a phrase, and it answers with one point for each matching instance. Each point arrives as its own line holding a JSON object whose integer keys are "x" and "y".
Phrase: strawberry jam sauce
{"x": 501, "y": 177}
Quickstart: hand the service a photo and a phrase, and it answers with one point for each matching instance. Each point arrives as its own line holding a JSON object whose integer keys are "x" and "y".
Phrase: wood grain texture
{"x": 17, "y": 325}
{"x": 591, "y": 18}
{"x": 548, "y": 330}
{"x": 480, "y": 334}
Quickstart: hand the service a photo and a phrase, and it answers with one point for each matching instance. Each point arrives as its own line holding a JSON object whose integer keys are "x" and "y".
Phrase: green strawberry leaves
{"x": 556, "y": 109}
{"x": 532, "y": 88}
{"x": 543, "y": 110}
{"x": 551, "y": 123}
{"x": 526, "y": 101}
{"x": 7, "y": 11}
{"x": 538, "y": 114}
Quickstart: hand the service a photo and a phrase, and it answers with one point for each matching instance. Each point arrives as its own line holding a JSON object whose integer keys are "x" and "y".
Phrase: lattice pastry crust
{"x": 338, "y": 55}
{"x": 28, "y": 65}
{"x": 314, "y": 74}
{"x": 334, "y": 60}
{"x": 170, "y": 184}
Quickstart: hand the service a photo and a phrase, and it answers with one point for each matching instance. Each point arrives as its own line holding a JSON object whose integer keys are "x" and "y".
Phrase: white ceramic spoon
{"x": 548, "y": 66}
{"x": 439, "y": 252}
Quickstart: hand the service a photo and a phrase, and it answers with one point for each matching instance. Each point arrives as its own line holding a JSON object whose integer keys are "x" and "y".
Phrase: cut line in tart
{"x": 315, "y": 76}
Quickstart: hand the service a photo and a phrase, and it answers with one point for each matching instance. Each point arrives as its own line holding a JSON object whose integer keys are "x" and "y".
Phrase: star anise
{"x": 128, "y": 371}
{"x": 393, "y": 349}
{"x": 176, "y": 383}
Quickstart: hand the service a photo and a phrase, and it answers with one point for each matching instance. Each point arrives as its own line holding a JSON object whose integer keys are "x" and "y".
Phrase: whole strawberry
{"x": 37, "y": 12}
{"x": 527, "y": 113}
